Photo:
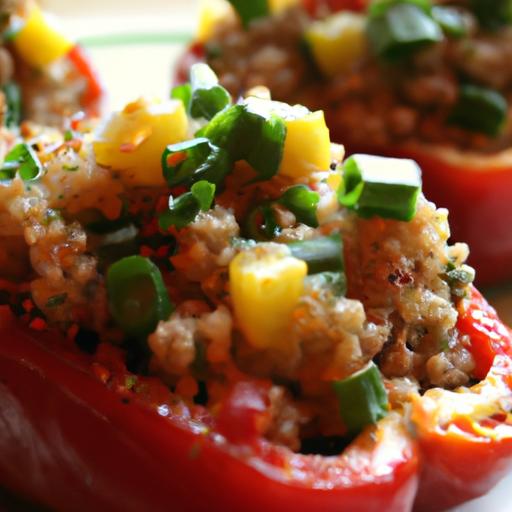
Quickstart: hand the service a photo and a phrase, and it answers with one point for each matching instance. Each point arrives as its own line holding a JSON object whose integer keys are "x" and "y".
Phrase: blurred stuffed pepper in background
{"x": 418, "y": 78}
{"x": 45, "y": 76}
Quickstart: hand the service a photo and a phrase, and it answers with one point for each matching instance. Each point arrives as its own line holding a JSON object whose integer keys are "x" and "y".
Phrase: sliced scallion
{"x": 480, "y": 109}
{"x": 303, "y": 203}
{"x": 137, "y": 295}
{"x": 207, "y": 97}
{"x": 261, "y": 223}
{"x": 451, "y": 20}
{"x": 401, "y": 29}
{"x": 23, "y": 160}
{"x": 183, "y": 210}
{"x": 187, "y": 162}
{"x": 385, "y": 187}
{"x": 12, "y": 94}
{"x": 324, "y": 254}
{"x": 250, "y": 10}
{"x": 362, "y": 398}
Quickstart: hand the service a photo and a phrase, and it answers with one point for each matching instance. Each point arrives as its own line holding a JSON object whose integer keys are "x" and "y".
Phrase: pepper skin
{"x": 71, "y": 431}
{"x": 69, "y": 442}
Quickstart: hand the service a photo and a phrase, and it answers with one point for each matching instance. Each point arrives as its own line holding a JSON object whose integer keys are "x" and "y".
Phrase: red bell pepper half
{"x": 81, "y": 430}
{"x": 69, "y": 442}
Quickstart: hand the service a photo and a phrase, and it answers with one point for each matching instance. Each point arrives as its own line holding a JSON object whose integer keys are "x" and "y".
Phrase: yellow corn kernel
{"x": 266, "y": 283}
{"x": 133, "y": 140}
{"x": 38, "y": 42}
{"x": 280, "y": 5}
{"x": 337, "y": 42}
{"x": 213, "y": 13}
{"x": 307, "y": 148}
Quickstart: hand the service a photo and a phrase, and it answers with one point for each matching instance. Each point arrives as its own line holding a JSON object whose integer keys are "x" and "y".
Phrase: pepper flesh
{"x": 102, "y": 451}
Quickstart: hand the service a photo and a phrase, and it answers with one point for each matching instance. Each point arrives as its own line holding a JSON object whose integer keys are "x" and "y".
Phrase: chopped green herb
{"x": 385, "y": 187}
{"x": 130, "y": 382}
{"x": 250, "y": 10}
{"x": 188, "y": 162}
{"x": 324, "y": 254}
{"x": 261, "y": 223}
{"x": 183, "y": 93}
{"x": 207, "y": 97}
{"x": 480, "y": 109}
{"x": 56, "y": 300}
{"x": 70, "y": 167}
{"x": 183, "y": 210}
{"x": 137, "y": 295}
{"x": 12, "y": 95}
{"x": 23, "y": 160}
{"x": 398, "y": 29}
{"x": 362, "y": 398}
{"x": 303, "y": 203}
{"x": 451, "y": 20}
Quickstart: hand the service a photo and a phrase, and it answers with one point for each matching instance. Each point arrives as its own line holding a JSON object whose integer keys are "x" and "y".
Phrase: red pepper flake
{"x": 72, "y": 332}
{"x": 162, "y": 251}
{"x": 175, "y": 159}
{"x": 38, "y": 324}
{"x": 146, "y": 251}
{"x": 28, "y": 305}
{"x": 162, "y": 204}
{"x": 127, "y": 147}
{"x": 100, "y": 372}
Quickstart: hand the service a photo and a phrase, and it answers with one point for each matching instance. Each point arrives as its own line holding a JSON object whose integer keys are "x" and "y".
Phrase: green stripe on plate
{"x": 106, "y": 40}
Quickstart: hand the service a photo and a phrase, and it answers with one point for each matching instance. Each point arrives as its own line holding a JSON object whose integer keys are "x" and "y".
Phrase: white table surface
{"x": 131, "y": 70}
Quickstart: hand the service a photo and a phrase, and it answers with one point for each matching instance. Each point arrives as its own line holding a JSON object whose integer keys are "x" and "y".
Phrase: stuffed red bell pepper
{"x": 44, "y": 76}
{"x": 240, "y": 317}
{"x": 421, "y": 78}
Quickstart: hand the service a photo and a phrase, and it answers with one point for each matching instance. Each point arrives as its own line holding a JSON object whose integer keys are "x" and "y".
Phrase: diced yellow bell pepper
{"x": 133, "y": 140}
{"x": 38, "y": 42}
{"x": 211, "y": 14}
{"x": 307, "y": 148}
{"x": 337, "y": 42}
{"x": 280, "y": 5}
{"x": 266, "y": 283}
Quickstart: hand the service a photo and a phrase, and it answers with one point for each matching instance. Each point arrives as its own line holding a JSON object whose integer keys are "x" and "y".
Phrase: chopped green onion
{"x": 401, "y": 29}
{"x": 363, "y": 398}
{"x": 266, "y": 154}
{"x": 183, "y": 210}
{"x": 56, "y": 300}
{"x": 323, "y": 254}
{"x": 23, "y": 160}
{"x": 261, "y": 223}
{"x": 492, "y": 15}
{"x": 385, "y": 187}
{"x": 137, "y": 295}
{"x": 194, "y": 160}
{"x": 480, "y": 109}
{"x": 380, "y": 7}
{"x": 451, "y": 20}
{"x": 207, "y": 96}
{"x": 257, "y": 136}
{"x": 249, "y": 10}
{"x": 12, "y": 94}
{"x": 182, "y": 93}
{"x": 303, "y": 203}
{"x": 335, "y": 282}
